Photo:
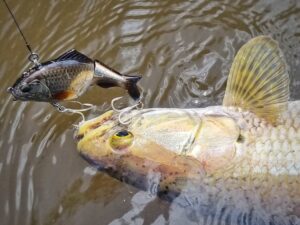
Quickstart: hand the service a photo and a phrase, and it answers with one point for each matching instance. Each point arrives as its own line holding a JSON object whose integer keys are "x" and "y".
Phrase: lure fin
{"x": 107, "y": 83}
{"x": 64, "y": 95}
{"x": 107, "y": 77}
{"x": 130, "y": 85}
{"x": 258, "y": 80}
{"x": 73, "y": 55}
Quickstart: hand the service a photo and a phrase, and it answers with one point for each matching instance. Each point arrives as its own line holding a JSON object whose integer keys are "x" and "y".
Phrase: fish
{"x": 238, "y": 162}
{"x": 68, "y": 77}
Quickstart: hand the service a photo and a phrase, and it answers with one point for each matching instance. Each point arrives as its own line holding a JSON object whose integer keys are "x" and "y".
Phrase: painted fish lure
{"x": 67, "y": 78}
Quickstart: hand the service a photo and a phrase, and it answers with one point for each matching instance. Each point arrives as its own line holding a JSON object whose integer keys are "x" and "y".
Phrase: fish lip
{"x": 13, "y": 93}
{"x": 11, "y": 90}
{"x": 91, "y": 125}
{"x": 102, "y": 122}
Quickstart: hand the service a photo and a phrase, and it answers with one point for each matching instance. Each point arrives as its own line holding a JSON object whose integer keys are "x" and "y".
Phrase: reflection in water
{"x": 183, "y": 49}
{"x": 83, "y": 192}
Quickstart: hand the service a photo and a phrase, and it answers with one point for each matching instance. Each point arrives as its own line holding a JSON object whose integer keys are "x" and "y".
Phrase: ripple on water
{"x": 183, "y": 49}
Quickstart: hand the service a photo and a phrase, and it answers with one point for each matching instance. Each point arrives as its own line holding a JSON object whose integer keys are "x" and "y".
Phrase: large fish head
{"x": 172, "y": 142}
{"x": 30, "y": 87}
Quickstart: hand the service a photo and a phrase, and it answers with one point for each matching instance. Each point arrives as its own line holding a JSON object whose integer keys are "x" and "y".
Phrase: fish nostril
{"x": 79, "y": 137}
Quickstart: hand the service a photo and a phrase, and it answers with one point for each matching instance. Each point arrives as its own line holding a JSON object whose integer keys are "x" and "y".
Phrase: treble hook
{"x": 113, "y": 104}
{"x": 139, "y": 105}
{"x": 64, "y": 109}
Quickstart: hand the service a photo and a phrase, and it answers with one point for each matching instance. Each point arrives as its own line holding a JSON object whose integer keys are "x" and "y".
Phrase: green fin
{"x": 258, "y": 80}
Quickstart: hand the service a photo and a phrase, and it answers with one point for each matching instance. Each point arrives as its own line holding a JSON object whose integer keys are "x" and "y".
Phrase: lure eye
{"x": 121, "y": 140}
{"x": 25, "y": 88}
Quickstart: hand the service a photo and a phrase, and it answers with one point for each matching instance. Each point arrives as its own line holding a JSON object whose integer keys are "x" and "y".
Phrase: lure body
{"x": 67, "y": 78}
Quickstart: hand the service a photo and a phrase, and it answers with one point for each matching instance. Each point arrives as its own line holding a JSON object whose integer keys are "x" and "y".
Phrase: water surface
{"x": 183, "y": 50}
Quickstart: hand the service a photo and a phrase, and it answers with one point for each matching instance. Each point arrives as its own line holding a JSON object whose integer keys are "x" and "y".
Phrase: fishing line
{"x": 33, "y": 57}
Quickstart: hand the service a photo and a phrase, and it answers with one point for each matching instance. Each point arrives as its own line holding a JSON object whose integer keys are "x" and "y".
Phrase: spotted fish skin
{"x": 260, "y": 177}
{"x": 238, "y": 163}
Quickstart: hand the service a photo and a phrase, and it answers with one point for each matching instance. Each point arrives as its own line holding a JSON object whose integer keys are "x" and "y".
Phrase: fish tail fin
{"x": 131, "y": 86}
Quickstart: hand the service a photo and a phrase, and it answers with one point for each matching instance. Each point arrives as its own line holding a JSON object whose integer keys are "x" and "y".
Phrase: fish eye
{"x": 25, "y": 88}
{"x": 121, "y": 140}
{"x": 122, "y": 133}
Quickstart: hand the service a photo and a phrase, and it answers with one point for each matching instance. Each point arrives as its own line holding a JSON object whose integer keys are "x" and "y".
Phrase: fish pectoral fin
{"x": 258, "y": 80}
{"x": 74, "y": 55}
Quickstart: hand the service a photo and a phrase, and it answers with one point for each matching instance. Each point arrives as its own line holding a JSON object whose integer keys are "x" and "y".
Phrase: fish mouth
{"x": 12, "y": 91}
{"x": 96, "y": 125}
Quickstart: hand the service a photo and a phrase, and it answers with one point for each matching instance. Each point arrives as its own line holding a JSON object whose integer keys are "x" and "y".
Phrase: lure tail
{"x": 131, "y": 86}
{"x": 107, "y": 77}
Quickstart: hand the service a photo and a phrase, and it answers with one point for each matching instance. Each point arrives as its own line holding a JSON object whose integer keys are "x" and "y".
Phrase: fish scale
{"x": 272, "y": 149}
{"x": 61, "y": 79}
{"x": 242, "y": 157}
{"x": 54, "y": 81}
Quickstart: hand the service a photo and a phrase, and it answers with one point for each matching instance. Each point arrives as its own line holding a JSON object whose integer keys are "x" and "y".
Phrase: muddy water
{"x": 183, "y": 50}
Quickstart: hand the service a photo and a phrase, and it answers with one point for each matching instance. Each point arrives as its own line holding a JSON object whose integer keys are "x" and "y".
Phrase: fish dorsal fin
{"x": 258, "y": 80}
{"x": 74, "y": 55}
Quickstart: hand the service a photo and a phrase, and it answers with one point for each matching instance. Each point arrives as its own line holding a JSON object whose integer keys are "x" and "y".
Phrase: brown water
{"x": 183, "y": 50}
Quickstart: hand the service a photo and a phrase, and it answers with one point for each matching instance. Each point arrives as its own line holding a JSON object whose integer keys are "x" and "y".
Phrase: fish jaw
{"x": 89, "y": 134}
{"x": 16, "y": 94}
